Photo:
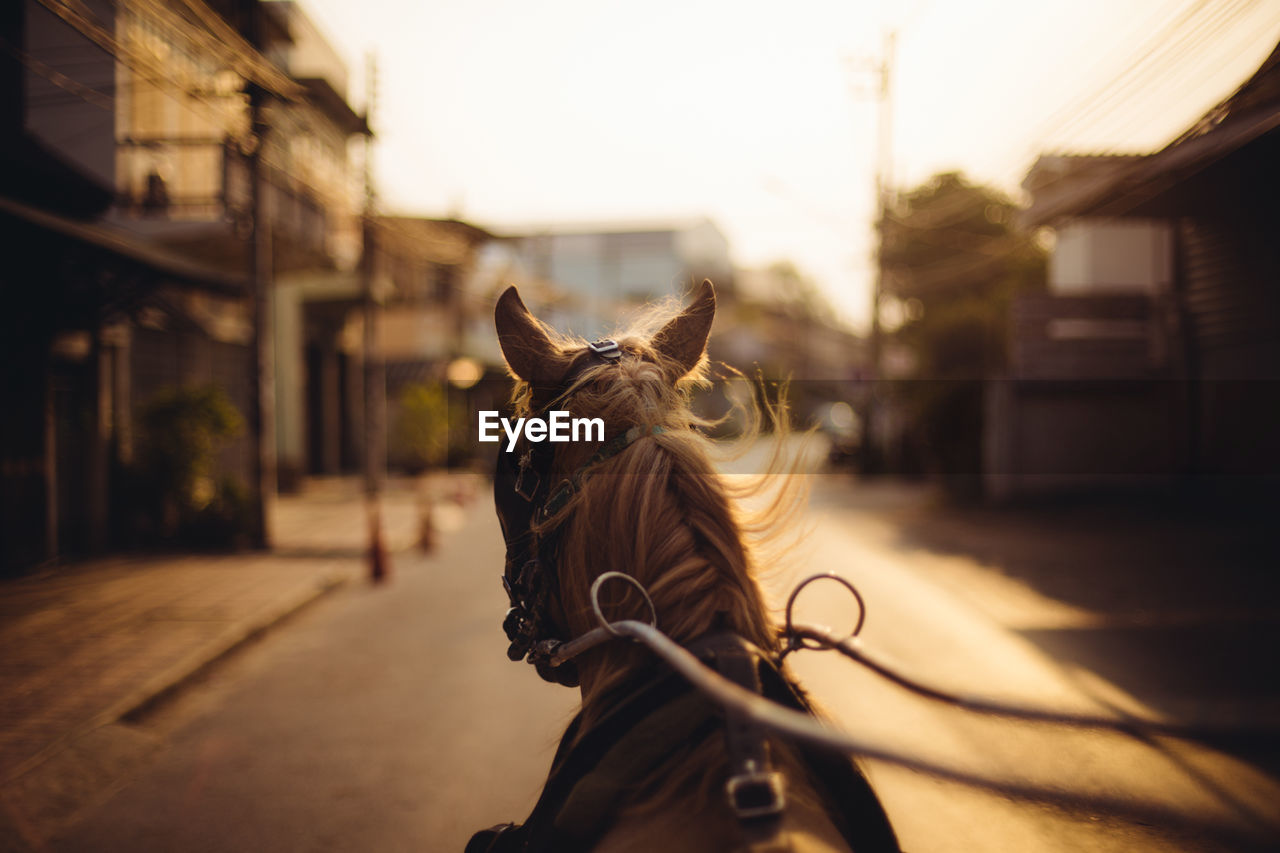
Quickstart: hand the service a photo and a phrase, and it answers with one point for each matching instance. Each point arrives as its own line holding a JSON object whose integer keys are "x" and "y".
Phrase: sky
{"x": 513, "y": 114}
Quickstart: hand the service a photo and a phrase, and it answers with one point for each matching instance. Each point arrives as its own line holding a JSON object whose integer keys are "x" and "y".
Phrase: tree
{"x": 953, "y": 262}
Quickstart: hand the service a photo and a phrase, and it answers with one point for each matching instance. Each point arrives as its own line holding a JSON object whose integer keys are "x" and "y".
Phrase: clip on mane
{"x": 606, "y": 349}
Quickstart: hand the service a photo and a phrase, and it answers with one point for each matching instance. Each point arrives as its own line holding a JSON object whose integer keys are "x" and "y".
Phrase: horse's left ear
{"x": 526, "y": 343}
{"x": 684, "y": 338}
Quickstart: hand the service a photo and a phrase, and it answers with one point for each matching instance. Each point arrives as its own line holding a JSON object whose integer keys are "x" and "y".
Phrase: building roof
{"x": 601, "y": 227}
{"x": 121, "y": 245}
{"x": 1068, "y": 186}
{"x": 39, "y": 175}
{"x": 442, "y": 241}
{"x": 321, "y": 94}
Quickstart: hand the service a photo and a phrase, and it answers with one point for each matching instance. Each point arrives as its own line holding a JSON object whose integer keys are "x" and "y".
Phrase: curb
{"x": 170, "y": 680}
{"x": 165, "y": 684}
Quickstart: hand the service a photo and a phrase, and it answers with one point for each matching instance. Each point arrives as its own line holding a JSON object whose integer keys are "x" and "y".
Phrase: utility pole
{"x": 882, "y": 90}
{"x": 375, "y": 380}
{"x": 261, "y": 272}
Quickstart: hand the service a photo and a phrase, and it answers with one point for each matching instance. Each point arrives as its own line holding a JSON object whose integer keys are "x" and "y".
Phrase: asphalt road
{"x": 382, "y": 718}
{"x": 389, "y": 718}
{"x": 972, "y": 627}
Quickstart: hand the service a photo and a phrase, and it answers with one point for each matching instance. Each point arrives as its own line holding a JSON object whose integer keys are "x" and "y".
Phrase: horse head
{"x": 643, "y": 500}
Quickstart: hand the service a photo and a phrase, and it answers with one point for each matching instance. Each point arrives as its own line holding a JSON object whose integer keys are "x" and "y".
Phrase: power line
{"x": 1086, "y": 112}
{"x": 139, "y": 65}
{"x": 1186, "y": 77}
{"x": 141, "y": 68}
{"x": 1148, "y": 68}
{"x": 62, "y": 81}
{"x": 1090, "y": 96}
{"x": 1150, "y": 108}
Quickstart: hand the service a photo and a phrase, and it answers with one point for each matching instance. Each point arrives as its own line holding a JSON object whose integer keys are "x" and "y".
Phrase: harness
{"x": 594, "y": 770}
{"x": 524, "y": 497}
{"x": 663, "y": 717}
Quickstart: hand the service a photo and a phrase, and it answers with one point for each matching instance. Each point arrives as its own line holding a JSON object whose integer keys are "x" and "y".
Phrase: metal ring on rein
{"x": 794, "y": 642}
{"x": 595, "y": 600}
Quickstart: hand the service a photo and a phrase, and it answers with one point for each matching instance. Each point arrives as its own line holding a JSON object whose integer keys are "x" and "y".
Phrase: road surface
{"x": 389, "y": 718}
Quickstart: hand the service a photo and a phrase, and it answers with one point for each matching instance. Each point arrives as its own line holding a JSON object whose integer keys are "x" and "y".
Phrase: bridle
{"x": 525, "y": 498}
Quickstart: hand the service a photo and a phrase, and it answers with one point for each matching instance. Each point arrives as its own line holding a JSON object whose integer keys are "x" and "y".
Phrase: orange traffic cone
{"x": 426, "y": 526}
{"x": 379, "y": 563}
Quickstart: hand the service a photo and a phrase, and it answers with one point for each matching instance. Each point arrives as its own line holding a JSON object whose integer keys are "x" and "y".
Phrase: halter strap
{"x": 602, "y": 352}
{"x": 562, "y": 493}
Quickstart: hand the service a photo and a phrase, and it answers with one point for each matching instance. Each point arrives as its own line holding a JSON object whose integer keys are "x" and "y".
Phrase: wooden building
{"x": 1156, "y": 356}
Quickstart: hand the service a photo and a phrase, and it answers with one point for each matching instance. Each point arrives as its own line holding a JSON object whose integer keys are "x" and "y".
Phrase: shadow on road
{"x": 1181, "y": 599}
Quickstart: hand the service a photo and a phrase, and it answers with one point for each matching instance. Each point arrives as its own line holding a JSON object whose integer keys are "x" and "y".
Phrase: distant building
{"x": 436, "y": 322}
{"x": 1156, "y": 353}
{"x": 774, "y": 324}
{"x": 775, "y": 321}
{"x": 602, "y": 271}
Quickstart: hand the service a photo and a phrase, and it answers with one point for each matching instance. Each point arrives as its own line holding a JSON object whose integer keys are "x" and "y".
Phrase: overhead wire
{"x": 1187, "y": 34}
{"x": 1185, "y": 78}
{"x": 139, "y": 65}
{"x": 82, "y": 20}
{"x": 1247, "y": 36}
{"x": 62, "y": 81}
{"x": 1089, "y": 100}
{"x": 1167, "y": 58}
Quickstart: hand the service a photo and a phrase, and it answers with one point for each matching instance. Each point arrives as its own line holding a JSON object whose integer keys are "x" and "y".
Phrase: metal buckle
{"x": 555, "y": 501}
{"x": 756, "y": 794}
{"x": 606, "y": 349}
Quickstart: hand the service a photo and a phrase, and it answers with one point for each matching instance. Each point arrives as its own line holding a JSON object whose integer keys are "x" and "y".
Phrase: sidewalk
{"x": 87, "y": 644}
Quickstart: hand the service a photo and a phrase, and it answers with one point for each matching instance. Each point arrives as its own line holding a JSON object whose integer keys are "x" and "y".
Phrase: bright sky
{"x": 510, "y": 113}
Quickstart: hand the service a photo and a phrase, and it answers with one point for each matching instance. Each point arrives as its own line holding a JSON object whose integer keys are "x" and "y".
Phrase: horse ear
{"x": 684, "y": 338}
{"x": 526, "y": 342}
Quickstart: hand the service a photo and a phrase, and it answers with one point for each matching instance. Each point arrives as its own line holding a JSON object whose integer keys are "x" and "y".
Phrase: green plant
{"x": 954, "y": 262}
{"x": 225, "y": 520}
{"x": 422, "y": 425}
{"x": 180, "y": 432}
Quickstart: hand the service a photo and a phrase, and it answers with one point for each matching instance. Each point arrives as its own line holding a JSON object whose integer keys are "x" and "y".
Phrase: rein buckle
{"x": 756, "y": 794}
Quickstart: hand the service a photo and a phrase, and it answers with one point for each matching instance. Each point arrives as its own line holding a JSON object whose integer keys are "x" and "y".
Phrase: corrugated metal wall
{"x": 1232, "y": 293}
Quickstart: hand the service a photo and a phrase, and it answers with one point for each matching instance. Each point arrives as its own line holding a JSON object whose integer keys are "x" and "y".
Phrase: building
{"x": 602, "y": 271}
{"x": 1155, "y": 355}
{"x": 96, "y": 318}
{"x": 132, "y": 151}
{"x": 436, "y": 327}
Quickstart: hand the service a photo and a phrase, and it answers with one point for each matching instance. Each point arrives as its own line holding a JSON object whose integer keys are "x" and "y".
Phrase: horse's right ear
{"x": 683, "y": 339}
{"x": 526, "y": 342}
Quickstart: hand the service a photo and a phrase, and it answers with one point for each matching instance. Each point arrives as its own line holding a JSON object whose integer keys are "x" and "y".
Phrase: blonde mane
{"x": 661, "y": 513}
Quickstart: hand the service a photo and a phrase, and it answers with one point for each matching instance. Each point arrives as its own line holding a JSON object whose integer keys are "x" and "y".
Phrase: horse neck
{"x": 658, "y": 513}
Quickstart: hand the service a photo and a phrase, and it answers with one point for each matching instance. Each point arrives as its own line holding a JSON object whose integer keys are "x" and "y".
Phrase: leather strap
{"x": 845, "y": 793}
{"x": 755, "y": 789}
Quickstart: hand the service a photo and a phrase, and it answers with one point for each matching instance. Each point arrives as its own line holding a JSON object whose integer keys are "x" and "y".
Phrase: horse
{"x": 648, "y": 763}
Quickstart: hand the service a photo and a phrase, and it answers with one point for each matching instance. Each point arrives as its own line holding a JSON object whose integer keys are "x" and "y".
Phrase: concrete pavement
{"x": 90, "y": 644}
